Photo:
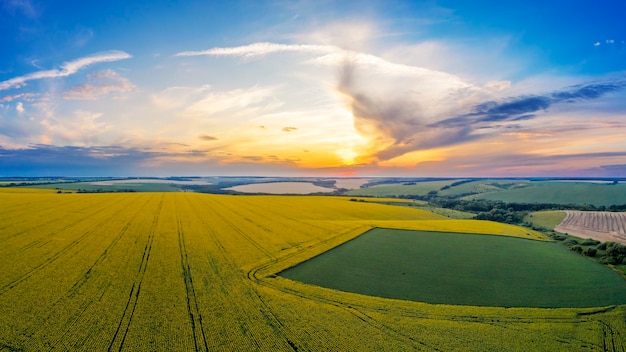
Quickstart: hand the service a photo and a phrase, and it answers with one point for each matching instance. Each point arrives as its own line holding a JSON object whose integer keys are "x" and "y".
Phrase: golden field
{"x": 195, "y": 272}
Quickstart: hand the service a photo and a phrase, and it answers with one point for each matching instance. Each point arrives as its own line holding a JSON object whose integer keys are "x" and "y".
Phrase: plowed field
{"x": 599, "y": 225}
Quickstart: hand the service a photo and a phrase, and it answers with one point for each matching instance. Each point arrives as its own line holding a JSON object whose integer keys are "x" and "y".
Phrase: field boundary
{"x": 266, "y": 274}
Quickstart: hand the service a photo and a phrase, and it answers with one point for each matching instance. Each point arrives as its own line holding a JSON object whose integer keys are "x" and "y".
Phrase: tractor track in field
{"x": 58, "y": 254}
{"x": 254, "y": 210}
{"x": 244, "y": 235}
{"x": 369, "y": 320}
{"x": 193, "y": 310}
{"x": 27, "y": 208}
{"x": 87, "y": 275}
{"x": 133, "y": 296}
{"x": 252, "y": 276}
{"x": 106, "y": 251}
{"x": 9, "y": 348}
{"x": 272, "y": 320}
{"x": 612, "y": 339}
{"x": 52, "y": 220}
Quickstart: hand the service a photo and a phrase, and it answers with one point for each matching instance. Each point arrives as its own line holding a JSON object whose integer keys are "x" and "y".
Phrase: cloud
{"x": 8, "y": 98}
{"x": 203, "y": 102}
{"x": 205, "y": 137}
{"x": 176, "y": 97}
{"x": 497, "y": 85}
{"x": 101, "y": 83}
{"x": 48, "y": 160}
{"x": 20, "y": 108}
{"x": 587, "y": 91}
{"x": 398, "y": 125}
{"x": 66, "y": 69}
{"x": 618, "y": 170}
{"x": 524, "y": 107}
{"x": 335, "y": 56}
{"x": 81, "y": 36}
{"x": 237, "y": 102}
{"x": 400, "y": 108}
{"x": 390, "y": 102}
{"x": 289, "y": 129}
{"x": 396, "y": 121}
{"x": 26, "y": 7}
{"x": 260, "y": 49}
{"x": 79, "y": 128}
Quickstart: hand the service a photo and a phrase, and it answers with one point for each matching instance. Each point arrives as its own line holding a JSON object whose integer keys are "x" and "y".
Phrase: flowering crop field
{"x": 197, "y": 272}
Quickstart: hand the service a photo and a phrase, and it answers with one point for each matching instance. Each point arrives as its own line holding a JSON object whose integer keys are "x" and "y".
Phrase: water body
{"x": 350, "y": 183}
{"x": 281, "y": 188}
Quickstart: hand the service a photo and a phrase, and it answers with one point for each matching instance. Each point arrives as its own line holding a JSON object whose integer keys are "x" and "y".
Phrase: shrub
{"x": 577, "y": 249}
{"x": 590, "y": 252}
{"x": 590, "y": 242}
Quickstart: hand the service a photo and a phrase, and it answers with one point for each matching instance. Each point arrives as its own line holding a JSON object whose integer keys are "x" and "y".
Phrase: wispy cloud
{"x": 260, "y": 49}
{"x": 80, "y": 128}
{"x": 176, "y": 97}
{"x": 238, "y": 102}
{"x": 101, "y": 83}
{"x": 289, "y": 129}
{"x": 26, "y": 7}
{"x": 205, "y": 137}
{"x": 66, "y": 69}
{"x": 332, "y": 56}
{"x": 8, "y": 98}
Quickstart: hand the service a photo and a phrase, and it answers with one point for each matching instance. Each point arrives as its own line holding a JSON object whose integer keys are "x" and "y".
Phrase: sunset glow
{"x": 426, "y": 88}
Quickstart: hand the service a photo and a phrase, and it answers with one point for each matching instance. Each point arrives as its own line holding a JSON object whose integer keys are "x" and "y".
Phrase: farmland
{"x": 456, "y": 268}
{"x": 397, "y": 189}
{"x": 603, "y": 226}
{"x": 196, "y": 272}
{"x": 548, "y": 219}
{"x": 598, "y": 194}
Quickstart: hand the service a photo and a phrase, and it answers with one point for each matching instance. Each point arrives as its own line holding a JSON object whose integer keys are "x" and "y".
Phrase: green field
{"x": 116, "y": 187}
{"x": 509, "y": 190}
{"x": 548, "y": 219}
{"x": 484, "y": 186}
{"x": 597, "y": 194}
{"x": 462, "y": 269}
{"x": 397, "y": 189}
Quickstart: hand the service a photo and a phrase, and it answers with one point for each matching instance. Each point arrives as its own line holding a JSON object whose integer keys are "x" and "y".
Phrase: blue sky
{"x": 412, "y": 88}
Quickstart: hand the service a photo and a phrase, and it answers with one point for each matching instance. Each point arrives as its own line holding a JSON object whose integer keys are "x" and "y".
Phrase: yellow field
{"x": 193, "y": 272}
{"x": 26, "y": 190}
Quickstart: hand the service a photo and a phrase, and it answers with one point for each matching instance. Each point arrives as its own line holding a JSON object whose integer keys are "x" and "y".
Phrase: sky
{"x": 313, "y": 88}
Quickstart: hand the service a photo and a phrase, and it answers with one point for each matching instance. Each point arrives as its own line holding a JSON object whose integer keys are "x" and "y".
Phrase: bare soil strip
{"x": 600, "y": 225}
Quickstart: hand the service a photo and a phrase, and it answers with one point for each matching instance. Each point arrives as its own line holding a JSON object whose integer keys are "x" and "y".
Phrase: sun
{"x": 347, "y": 155}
